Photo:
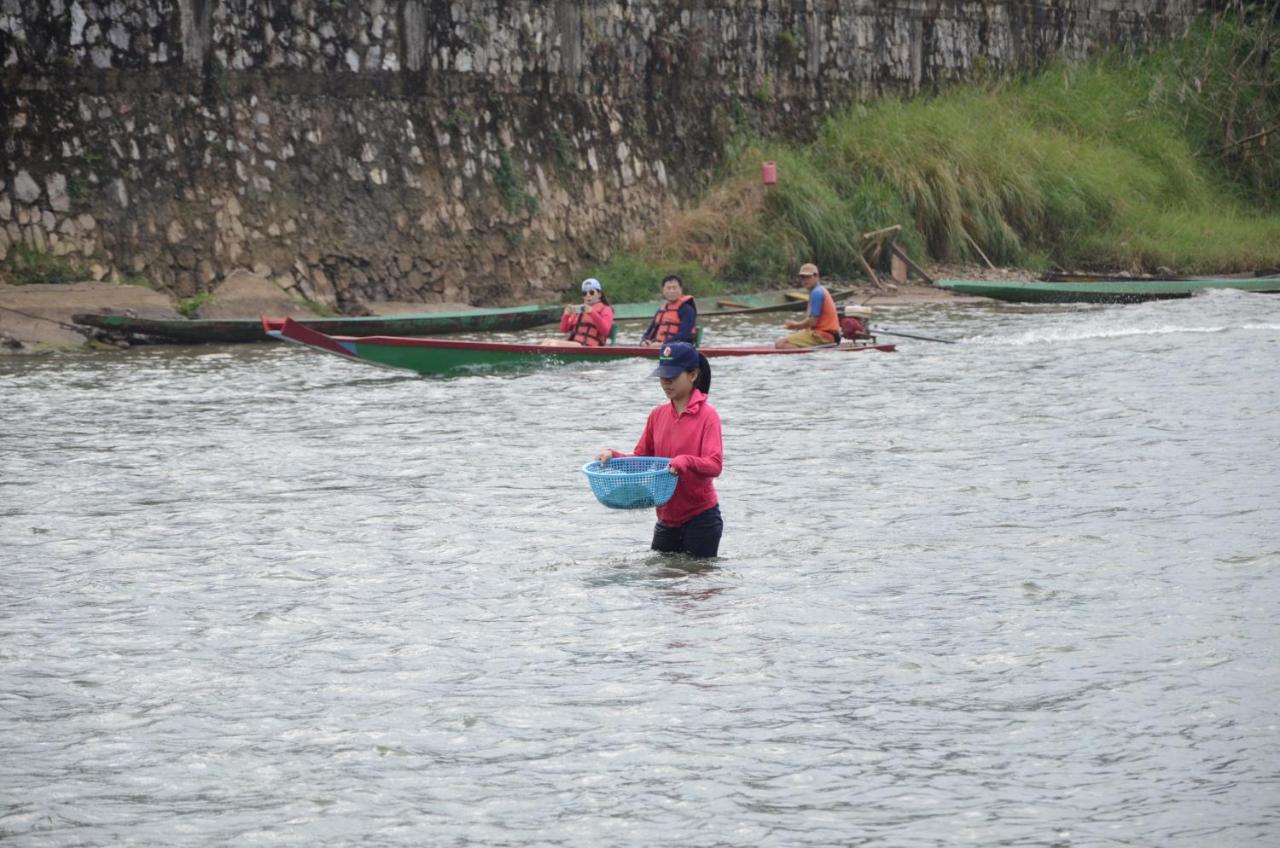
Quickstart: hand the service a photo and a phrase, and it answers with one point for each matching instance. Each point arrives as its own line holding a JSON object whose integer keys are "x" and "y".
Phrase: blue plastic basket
{"x": 632, "y": 482}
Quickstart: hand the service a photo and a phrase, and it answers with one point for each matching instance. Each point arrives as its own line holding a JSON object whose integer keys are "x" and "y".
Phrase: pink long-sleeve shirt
{"x": 692, "y": 439}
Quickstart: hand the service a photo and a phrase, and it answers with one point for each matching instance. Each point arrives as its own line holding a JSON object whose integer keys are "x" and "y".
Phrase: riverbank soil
{"x": 37, "y": 318}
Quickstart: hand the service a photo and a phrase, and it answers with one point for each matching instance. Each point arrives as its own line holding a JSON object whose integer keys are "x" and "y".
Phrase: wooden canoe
{"x": 1103, "y": 291}
{"x": 213, "y": 330}
{"x": 443, "y": 357}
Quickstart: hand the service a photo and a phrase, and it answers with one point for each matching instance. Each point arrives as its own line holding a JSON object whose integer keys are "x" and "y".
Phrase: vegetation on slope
{"x": 1162, "y": 160}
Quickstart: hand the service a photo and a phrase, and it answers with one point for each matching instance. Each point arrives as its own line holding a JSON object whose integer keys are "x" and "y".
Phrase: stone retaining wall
{"x": 425, "y": 150}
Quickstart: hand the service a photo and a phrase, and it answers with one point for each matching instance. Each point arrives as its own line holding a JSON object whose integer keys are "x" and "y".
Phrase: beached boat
{"x": 250, "y": 329}
{"x": 1103, "y": 291}
{"x": 440, "y": 357}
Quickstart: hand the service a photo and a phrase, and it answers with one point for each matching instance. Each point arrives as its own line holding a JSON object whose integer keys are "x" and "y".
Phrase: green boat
{"x": 198, "y": 331}
{"x": 445, "y": 357}
{"x": 1103, "y": 291}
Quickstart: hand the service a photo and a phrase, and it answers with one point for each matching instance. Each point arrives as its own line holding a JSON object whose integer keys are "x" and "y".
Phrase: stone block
{"x": 25, "y": 189}
{"x": 175, "y": 232}
{"x": 56, "y": 186}
{"x": 205, "y": 272}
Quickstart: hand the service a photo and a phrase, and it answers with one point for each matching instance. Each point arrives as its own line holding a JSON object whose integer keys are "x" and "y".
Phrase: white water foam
{"x": 1214, "y": 311}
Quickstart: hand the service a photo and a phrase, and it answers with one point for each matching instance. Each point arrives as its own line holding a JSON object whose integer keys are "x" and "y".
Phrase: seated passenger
{"x": 587, "y": 325}
{"x": 676, "y": 320}
{"x": 821, "y": 325}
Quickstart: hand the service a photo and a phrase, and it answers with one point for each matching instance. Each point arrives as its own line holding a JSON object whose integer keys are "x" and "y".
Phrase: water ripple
{"x": 1017, "y": 591}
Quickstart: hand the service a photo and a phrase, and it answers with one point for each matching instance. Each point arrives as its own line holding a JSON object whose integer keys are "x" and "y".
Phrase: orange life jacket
{"x": 828, "y": 320}
{"x": 586, "y": 331}
{"x": 668, "y": 320}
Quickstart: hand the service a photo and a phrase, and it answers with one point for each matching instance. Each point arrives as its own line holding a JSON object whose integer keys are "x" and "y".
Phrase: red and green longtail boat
{"x": 444, "y": 357}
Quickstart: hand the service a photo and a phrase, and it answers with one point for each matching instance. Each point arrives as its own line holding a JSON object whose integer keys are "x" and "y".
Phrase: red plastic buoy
{"x": 769, "y": 173}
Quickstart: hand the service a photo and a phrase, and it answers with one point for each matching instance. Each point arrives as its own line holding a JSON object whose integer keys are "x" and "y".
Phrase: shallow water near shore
{"x": 1020, "y": 590}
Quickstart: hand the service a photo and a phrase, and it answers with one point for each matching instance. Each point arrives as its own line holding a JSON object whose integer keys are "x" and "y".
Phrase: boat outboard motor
{"x": 855, "y": 324}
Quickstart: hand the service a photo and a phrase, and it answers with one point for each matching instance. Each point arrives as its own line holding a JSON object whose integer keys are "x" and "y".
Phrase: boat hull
{"x": 223, "y": 331}
{"x": 445, "y": 357}
{"x": 1107, "y": 291}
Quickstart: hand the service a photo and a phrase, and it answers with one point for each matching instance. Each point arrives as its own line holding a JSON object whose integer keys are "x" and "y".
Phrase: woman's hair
{"x": 675, "y": 277}
{"x": 604, "y": 298}
{"x": 703, "y": 383}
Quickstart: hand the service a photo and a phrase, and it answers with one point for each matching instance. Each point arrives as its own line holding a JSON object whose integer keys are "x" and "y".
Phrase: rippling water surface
{"x": 1020, "y": 590}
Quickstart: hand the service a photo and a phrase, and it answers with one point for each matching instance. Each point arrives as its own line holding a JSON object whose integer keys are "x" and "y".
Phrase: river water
{"x": 1020, "y": 590}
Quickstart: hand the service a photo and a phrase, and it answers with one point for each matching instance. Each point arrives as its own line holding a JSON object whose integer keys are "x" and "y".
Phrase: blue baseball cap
{"x": 675, "y": 359}
{"x": 590, "y": 283}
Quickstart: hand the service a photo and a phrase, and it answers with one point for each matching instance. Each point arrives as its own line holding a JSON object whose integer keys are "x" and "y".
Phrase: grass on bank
{"x": 29, "y": 266}
{"x": 1123, "y": 163}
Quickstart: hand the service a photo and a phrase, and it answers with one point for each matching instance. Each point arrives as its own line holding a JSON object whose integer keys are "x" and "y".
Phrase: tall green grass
{"x": 1114, "y": 164}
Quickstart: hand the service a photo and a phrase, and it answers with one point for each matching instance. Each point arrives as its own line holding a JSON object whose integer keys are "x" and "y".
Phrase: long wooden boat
{"x": 441, "y": 357}
{"x": 1103, "y": 291}
{"x": 250, "y": 329}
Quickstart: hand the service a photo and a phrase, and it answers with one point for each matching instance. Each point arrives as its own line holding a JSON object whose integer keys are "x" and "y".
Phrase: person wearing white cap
{"x": 588, "y": 324}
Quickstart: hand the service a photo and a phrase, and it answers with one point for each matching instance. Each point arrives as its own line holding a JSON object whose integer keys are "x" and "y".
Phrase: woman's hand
{"x": 568, "y": 310}
{"x": 604, "y": 456}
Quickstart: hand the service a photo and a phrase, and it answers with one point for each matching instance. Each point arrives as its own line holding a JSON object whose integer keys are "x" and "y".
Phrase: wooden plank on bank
{"x": 902, "y": 254}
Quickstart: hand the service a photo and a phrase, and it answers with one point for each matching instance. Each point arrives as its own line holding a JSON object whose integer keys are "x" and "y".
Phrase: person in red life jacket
{"x": 587, "y": 325}
{"x": 677, "y": 320}
{"x": 821, "y": 324}
{"x": 688, "y": 430}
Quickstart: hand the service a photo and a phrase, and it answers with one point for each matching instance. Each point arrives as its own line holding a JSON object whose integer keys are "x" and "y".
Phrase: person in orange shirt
{"x": 821, "y": 325}
{"x": 587, "y": 325}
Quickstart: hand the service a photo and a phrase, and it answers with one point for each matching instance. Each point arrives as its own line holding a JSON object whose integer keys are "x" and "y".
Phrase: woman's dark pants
{"x": 699, "y": 536}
